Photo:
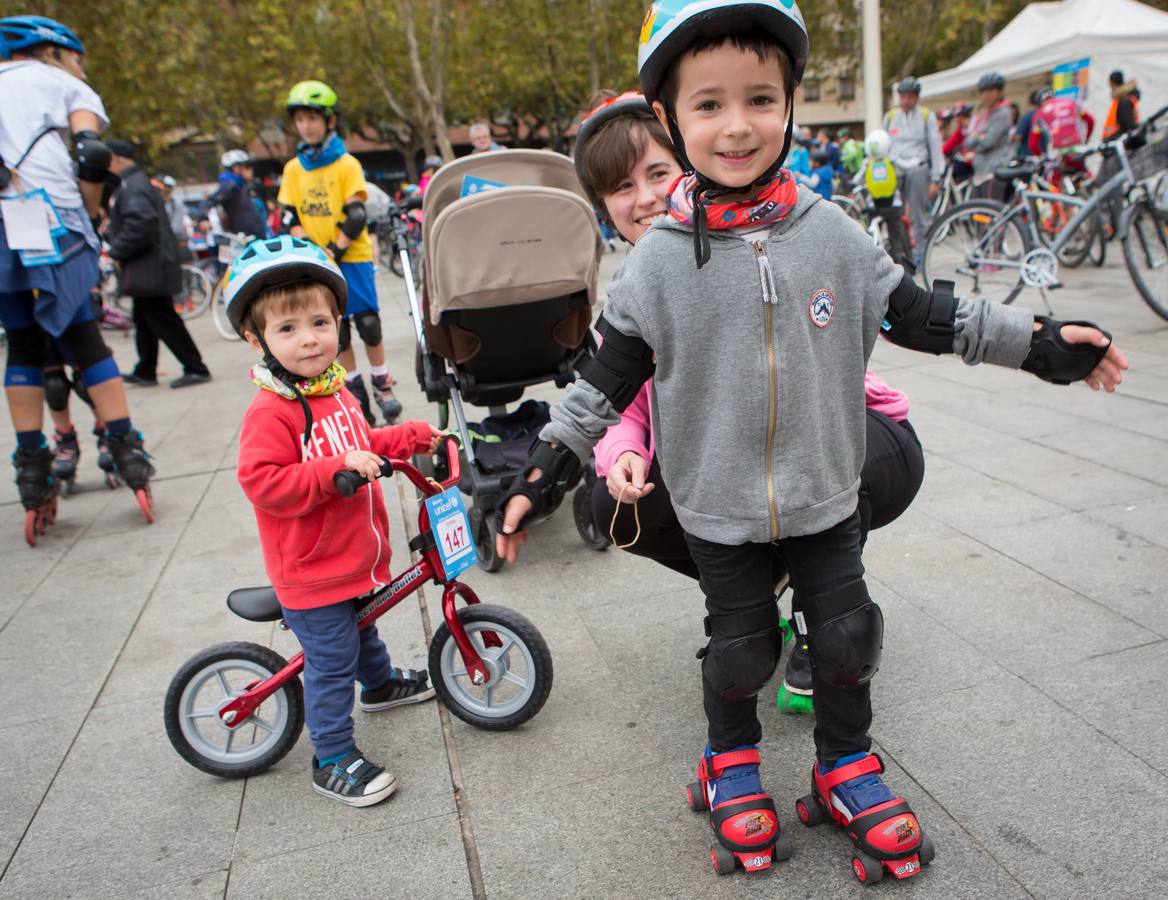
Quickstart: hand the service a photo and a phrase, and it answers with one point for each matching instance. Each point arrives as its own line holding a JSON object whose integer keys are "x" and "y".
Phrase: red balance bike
{"x": 236, "y": 709}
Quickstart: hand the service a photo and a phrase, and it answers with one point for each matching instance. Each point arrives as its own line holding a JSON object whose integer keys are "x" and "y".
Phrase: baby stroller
{"x": 512, "y": 250}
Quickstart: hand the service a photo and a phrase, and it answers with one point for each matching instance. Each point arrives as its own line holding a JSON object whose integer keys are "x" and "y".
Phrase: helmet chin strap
{"x": 286, "y": 378}
{"x": 707, "y": 185}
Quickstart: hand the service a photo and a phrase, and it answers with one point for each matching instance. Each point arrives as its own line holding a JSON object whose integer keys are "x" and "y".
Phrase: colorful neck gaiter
{"x": 317, "y": 156}
{"x": 327, "y": 382}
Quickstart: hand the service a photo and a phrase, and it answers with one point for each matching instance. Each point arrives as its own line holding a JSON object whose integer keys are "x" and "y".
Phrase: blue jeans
{"x": 335, "y": 655}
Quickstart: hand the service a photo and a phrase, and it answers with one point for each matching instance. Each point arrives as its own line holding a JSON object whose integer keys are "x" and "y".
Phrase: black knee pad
{"x": 57, "y": 387}
{"x": 345, "y": 336}
{"x": 369, "y": 327}
{"x": 26, "y": 347}
{"x": 743, "y": 651}
{"x": 845, "y": 633}
{"x": 85, "y": 345}
{"x": 82, "y": 391}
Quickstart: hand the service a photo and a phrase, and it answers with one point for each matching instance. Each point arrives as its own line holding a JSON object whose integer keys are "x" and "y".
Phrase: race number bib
{"x": 451, "y": 527}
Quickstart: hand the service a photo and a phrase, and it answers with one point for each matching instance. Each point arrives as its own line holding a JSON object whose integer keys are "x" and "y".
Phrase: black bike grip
{"x": 349, "y": 482}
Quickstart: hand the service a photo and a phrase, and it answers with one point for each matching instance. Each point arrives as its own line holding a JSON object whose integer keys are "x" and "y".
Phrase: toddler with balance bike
{"x": 754, "y": 306}
{"x": 324, "y": 554}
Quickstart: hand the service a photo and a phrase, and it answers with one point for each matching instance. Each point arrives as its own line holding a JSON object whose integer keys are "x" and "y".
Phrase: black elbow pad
{"x": 619, "y": 367}
{"x": 919, "y": 319}
{"x": 91, "y": 155}
{"x": 290, "y": 218}
{"x": 355, "y": 219}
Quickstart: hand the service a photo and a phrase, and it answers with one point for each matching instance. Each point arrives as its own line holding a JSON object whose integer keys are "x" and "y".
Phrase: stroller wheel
{"x": 582, "y": 514}
{"x": 484, "y": 532}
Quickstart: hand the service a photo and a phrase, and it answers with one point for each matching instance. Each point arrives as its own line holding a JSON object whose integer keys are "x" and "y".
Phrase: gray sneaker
{"x": 353, "y": 780}
{"x": 402, "y": 688}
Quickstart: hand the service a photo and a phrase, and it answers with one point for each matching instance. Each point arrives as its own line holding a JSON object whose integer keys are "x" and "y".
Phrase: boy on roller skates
{"x": 323, "y": 194}
{"x": 324, "y": 554}
{"x": 755, "y": 307}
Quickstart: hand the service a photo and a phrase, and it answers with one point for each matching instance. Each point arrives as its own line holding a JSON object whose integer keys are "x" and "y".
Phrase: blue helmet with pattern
{"x": 275, "y": 262}
{"x": 22, "y": 32}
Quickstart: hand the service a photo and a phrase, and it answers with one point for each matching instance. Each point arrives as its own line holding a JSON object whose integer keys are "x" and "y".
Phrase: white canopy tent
{"x": 1111, "y": 34}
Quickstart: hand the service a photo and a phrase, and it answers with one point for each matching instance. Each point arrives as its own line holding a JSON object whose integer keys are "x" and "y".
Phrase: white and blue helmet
{"x": 22, "y": 32}
{"x": 274, "y": 262}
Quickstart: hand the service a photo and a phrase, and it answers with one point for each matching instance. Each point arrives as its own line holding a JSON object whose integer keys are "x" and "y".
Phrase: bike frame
{"x": 429, "y": 568}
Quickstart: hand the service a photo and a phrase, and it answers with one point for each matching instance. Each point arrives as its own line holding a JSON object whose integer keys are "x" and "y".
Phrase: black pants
{"x": 155, "y": 319}
{"x": 894, "y": 467}
{"x": 738, "y": 578}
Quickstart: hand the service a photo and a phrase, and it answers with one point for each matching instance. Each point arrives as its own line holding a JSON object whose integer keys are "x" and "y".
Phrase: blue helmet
{"x": 273, "y": 262}
{"x": 20, "y": 32}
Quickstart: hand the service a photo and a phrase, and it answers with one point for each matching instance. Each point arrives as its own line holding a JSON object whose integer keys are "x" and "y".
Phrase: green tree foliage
{"x": 170, "y": 69}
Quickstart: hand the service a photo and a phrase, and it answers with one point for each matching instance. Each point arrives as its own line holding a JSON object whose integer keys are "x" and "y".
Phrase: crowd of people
{"x": 728, "y": 210}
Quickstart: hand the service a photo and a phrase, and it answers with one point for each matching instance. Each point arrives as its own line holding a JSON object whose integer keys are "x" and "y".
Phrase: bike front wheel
{"x": 1145, "y": 250}
{"x": 517, "y": 658}
{"x": 978, "y": 248}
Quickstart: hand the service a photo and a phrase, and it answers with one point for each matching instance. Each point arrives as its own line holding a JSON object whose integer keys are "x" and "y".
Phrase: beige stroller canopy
{"x": 533, "y": 239}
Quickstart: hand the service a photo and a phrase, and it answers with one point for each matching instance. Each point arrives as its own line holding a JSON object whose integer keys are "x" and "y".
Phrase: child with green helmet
{"x": 755, "y": 305}
{"x": 323, "y": 193}
{"x": 324, "y": 554}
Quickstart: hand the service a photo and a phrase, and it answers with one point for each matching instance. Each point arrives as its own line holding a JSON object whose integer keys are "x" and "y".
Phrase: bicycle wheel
{"x": 850, "y": 206}
{"x": 979, "y": 249}
{"x": 196, "y": 292}
{"x": 1145, "y": 250}
{"x": 1052, "y": 217}
{"x": 219, "y": 314}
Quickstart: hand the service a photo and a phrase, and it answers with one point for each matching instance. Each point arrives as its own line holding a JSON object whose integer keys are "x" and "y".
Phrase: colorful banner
{"x": 1070, "y": 79}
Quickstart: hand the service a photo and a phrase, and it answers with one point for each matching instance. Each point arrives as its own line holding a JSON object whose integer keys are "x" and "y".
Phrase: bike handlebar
{"x": 349, "y": 482}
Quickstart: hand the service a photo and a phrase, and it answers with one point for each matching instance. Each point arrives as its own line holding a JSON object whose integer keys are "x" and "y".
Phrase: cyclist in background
{"x": 234, "y": 196}
{"x": 916, "y": 153}
{"x": 1060, "y": 126}
{"x": 323, "y": 193}
{"x": 989, "y": 136}
{"x": 960, "y": 160}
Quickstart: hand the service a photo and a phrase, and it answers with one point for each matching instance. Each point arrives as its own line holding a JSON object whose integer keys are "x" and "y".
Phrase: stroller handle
{"x": 349, "y": 482}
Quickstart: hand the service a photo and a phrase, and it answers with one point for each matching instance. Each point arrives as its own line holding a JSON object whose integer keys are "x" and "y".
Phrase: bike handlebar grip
{"x": 349, "y": 482}
{"x": 452, "y": 459}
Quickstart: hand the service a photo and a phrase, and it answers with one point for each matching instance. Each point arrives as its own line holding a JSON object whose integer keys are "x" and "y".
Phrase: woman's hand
{"x": 364, "y": 463}
{"x": 627, "y": 475}
{"x": 1109, "y": 373}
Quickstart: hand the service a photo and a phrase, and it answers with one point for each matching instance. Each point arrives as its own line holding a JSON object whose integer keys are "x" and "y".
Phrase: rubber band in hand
{"x": 616, "y": 512}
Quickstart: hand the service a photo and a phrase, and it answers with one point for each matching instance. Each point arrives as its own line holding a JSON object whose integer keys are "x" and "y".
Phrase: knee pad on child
{"x": 57, "y": 388}
{"x": 743, "y": 651}
{"x": 369, "y": 327}
{"x": 89, "y": 353}
{"x": 344, "y": 336}
{"x": 845, "y": 634}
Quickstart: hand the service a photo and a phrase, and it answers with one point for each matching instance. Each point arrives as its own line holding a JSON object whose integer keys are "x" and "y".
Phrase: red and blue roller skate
{"x": 742, "y": 815}
{"x": 884, "y": 830}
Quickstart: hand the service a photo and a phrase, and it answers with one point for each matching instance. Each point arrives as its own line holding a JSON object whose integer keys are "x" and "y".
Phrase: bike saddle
{"x": 258, "y": 604}
{"x": 1009, "y": 173}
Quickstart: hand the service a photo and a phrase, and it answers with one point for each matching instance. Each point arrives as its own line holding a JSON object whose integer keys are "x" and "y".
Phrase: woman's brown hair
{"x": 613, "y": 151}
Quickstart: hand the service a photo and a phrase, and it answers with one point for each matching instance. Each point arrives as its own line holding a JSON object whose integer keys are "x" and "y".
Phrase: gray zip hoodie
{"x": 758, "y": 395}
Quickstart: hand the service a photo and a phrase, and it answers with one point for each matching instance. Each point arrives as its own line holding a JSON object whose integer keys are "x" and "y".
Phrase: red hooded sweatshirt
{"x": 319, "y": 548}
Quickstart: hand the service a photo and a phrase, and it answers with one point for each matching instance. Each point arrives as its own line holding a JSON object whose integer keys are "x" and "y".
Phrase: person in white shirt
{"x": 49, "y": 119}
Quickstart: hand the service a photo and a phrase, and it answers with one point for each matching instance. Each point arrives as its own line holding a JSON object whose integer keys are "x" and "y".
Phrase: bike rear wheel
{"x": 195, "y": 296}
{"x": 977, "y": 248}
{"x": 1145, "y": 250}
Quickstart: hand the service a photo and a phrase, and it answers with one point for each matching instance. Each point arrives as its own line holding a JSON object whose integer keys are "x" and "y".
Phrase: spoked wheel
{"x": 982, "y": 253}
{"x": 1145, "y": 250}
{"x": 197, "y": 288}
{"x": 866, "y": 869}
{"x": 145, "y": 503}
{"x": 586, "y": 526}
{"x": 520, "y": 669}
{"x": 209, "y": 680}
{"x": 483, "y": 526}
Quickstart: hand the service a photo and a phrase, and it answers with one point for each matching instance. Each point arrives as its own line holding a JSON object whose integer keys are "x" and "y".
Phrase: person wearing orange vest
{"x": 1124, "y": 114}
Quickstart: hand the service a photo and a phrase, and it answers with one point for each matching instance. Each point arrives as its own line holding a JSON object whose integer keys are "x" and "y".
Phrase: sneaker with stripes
{"x": 403, "y": 687}
{"x": 353, "y": 780}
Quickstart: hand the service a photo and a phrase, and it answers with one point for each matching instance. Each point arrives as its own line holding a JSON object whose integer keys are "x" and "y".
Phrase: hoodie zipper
{"x": 770, "y": 298}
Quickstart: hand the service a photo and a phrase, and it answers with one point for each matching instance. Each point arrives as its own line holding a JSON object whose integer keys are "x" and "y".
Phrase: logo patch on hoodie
{"x": 821, "y": 307}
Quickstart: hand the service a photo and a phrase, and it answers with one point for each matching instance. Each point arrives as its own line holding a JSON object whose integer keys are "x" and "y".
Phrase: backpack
{"x": 880, "y": 179}
{"x": 1059, "y": 117}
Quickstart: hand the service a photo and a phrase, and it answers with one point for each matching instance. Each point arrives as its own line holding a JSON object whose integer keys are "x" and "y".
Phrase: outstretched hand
{"x": 508, "y": 541}
{"x": 1109, "y": 373}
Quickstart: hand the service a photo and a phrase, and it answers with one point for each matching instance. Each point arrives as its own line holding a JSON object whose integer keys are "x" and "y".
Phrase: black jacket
{"x": 140, "y": 238}
{"x": 238, "y": 202}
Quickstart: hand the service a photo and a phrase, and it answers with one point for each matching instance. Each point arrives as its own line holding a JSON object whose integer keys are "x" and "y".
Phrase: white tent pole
{"x": 873, "y": 74}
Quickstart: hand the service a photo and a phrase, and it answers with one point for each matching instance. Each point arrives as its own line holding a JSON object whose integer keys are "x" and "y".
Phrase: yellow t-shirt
{"x": 318, "y": 196}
